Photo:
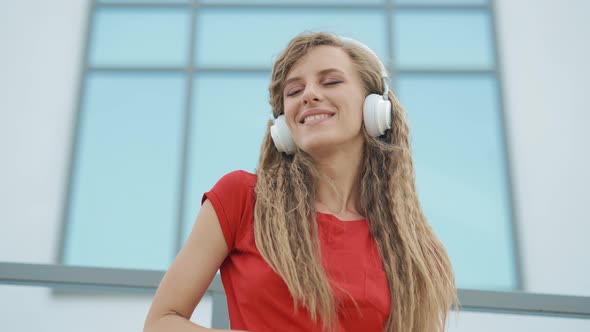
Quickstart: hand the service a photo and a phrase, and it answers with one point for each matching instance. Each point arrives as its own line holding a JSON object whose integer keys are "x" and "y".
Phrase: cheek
{"x": 290, "y": 102}
{"x": 288, "y": 109}
{"x": 357, "y": 111}
{"x": 353, "y": 100}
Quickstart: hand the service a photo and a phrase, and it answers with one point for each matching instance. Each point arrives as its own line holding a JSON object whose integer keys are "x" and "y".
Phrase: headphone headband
{"x": 348, "y": 40}
{"x": 384, "y": 76}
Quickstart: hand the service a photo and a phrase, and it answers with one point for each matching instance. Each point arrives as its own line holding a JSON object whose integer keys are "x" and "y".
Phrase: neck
{"x": 338, "y": 186}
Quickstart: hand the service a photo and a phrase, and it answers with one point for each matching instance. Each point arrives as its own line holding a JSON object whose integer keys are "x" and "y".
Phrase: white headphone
{"x": 376, "y": 111}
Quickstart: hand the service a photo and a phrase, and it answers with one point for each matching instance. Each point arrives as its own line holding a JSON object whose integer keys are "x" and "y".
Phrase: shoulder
{"x": 234, "y": 189}
{"x": 239, "y": 178}
{"x": 237, "y": 182}
{"x": 232, "y": 198}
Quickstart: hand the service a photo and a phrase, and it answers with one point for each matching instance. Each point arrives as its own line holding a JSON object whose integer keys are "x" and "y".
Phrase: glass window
{"x": 124, "y": 196}
{"x": 146, "y": 1}
{"x": 461, "y": 173}
{"x": 263, "y": 33}
{"x": 229, "y": 119}
{"x": 126, "y": 177}
{"x": 443, "y": 39}
{"x": 441, "y": 2}
{"x": 297, "y": 2}
{"x": 140, "y": 37}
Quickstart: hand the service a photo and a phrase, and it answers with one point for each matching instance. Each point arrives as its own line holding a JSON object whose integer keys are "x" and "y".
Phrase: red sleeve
{"x": 230, "y": 197}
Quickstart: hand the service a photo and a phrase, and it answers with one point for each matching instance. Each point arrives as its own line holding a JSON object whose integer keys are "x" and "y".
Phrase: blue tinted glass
{"x": 140, "y": 37}
{"x": 443, "y": 39}
{"x": 460, "y": 160}
{"x": 282, "y": 2}
{"x": 228, "y": 123}
{"x": 145, "y": 1}
{"x": 124, "y": 200}
{"x": 442, "y": 2}
{"x": 247, "y": 37}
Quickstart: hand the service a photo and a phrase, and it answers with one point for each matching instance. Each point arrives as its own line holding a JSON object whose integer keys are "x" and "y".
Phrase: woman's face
{"x": 323, "y": 101}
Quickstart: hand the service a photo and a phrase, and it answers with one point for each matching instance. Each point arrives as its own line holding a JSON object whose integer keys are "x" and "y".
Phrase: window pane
{"x": 442, "y": 2}
{"x": 461, "y": 174}
{"x": 283, "y": 2}
{"x": 263, "y": 34}
{"x": 145, "y": 1}
{"x": 140, "y": 37}
{"x": 124, "y": 199}
{"x": 443, "y": 39}
{"x": 228, "y": 123}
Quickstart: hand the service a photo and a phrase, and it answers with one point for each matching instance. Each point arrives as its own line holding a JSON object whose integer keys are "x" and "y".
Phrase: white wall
{"x": 545, "y": 65}
{"x": 39, "y": 65}
{"x": 493, "y": 322}
{"x": 40, "y": 59}
{"x": 545, "y": 57}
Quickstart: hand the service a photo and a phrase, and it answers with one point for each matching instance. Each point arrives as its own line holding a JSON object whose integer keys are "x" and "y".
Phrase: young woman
{"x": 328, "y": 235}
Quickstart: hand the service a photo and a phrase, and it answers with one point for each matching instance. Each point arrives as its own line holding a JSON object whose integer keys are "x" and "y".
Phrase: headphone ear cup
{"x": 377, "y": 114}
{"x": 281, "y": 135}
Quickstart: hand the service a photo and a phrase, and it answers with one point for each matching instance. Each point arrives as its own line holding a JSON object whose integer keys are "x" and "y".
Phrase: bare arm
{"x": 189, "y": 276}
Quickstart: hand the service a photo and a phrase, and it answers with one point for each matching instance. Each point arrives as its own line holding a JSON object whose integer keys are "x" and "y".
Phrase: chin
{"x": 327, "y": 141}
{"x": 321, "y": 146}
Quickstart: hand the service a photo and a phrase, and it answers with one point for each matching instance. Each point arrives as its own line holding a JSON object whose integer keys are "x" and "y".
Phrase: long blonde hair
{"x": 419, "y": 273}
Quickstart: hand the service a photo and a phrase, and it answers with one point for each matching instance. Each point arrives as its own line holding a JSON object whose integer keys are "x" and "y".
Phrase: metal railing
{"x": 78, "y": 278}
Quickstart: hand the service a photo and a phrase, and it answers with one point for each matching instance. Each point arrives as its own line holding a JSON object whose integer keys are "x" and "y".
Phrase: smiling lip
{"x": 314, "y": 112}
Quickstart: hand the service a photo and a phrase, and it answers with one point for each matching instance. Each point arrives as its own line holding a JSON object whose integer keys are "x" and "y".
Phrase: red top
{"x": 258, "y": 299}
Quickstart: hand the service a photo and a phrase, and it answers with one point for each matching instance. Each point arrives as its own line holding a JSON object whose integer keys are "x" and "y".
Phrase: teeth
{"x": 315, "y": 117}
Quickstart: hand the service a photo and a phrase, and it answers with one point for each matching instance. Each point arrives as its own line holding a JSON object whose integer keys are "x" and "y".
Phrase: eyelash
{"x": 327, "y": 83}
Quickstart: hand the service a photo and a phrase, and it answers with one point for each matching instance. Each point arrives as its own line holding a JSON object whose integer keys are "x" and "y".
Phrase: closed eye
{"x": 292, "y": 93}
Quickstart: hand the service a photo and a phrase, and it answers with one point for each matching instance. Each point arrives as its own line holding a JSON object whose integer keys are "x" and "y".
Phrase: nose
{"x": 310, "y": 94}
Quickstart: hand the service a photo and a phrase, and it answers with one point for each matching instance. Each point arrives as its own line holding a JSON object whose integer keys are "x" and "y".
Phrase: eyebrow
{"x": 321, "y": 72}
